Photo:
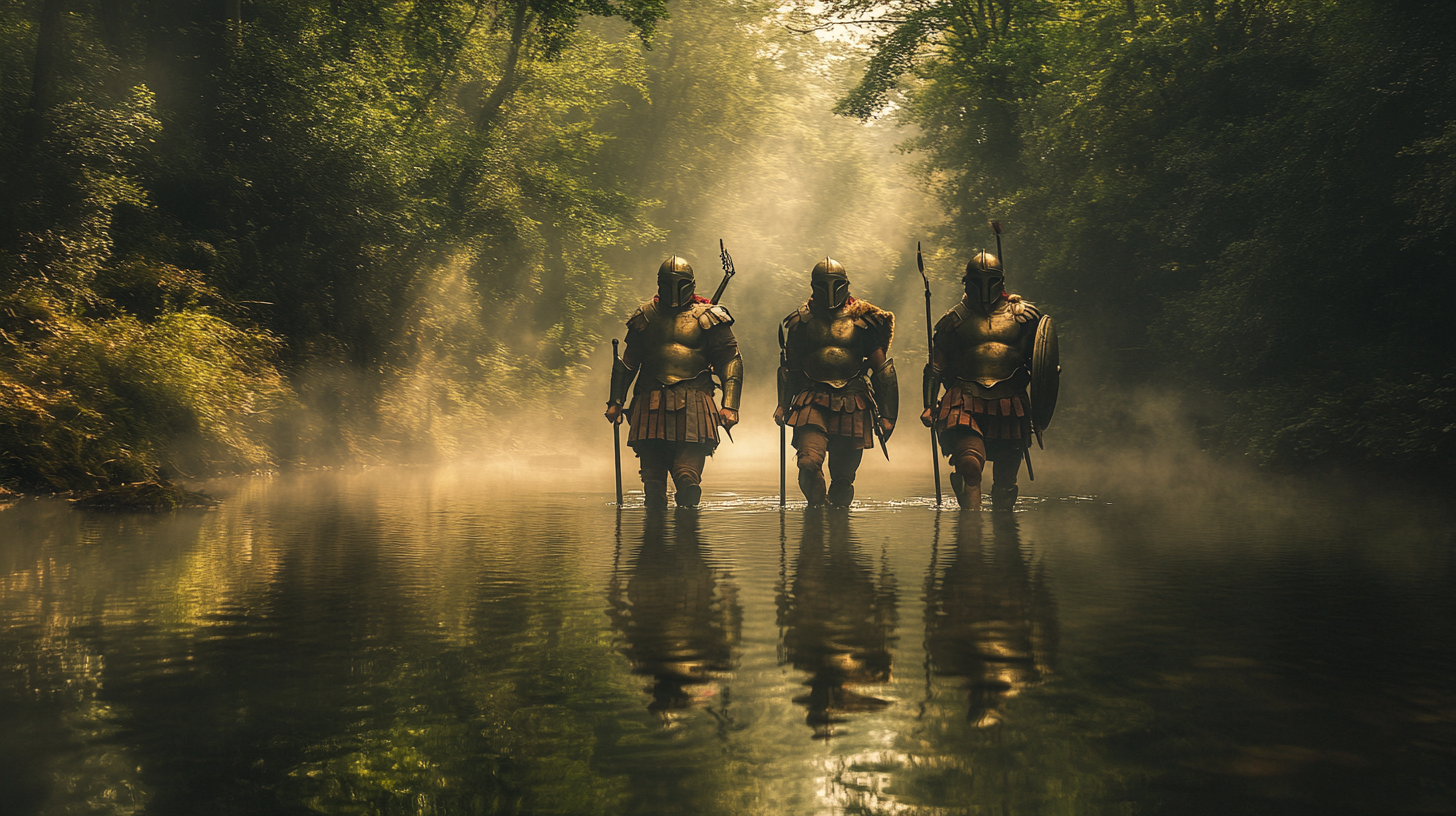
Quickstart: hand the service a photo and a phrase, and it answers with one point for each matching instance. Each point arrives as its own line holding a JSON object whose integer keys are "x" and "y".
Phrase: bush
{"x": 85, "y": 403}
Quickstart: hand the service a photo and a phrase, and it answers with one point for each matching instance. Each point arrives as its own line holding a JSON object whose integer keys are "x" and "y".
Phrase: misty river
{"x": 498, "y": 640}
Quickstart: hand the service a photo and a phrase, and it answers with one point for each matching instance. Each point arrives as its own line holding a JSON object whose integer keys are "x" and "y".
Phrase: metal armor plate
{"x": 990, "y": 347}
{"x": 676, "y": 344}
{"x": 1046, "y": 373}
{"x": 829, "y": 349}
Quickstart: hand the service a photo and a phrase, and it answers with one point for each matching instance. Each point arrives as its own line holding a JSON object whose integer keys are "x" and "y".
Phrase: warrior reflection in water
{"x": 678, "y": 618}
{"x": 838, "y": 622}
{"x": 989, "y": 617}
{"x": 837, "y": 386}
{"x": 678, "y": 340}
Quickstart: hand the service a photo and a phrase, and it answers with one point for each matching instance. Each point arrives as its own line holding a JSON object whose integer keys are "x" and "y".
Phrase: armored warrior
{"x": 982, "y": 352}
{"x": 836, "y": 383}
{"x": 678, "y": 341}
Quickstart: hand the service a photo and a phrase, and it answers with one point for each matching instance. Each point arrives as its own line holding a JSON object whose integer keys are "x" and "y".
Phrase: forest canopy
{"x": 252, "y": 233}
{"x": 1252, "y": 199}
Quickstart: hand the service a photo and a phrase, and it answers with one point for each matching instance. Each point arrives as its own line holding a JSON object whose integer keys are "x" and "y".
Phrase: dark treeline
{"x": 242, "y": 233}
{"x": 1253, "y": 199}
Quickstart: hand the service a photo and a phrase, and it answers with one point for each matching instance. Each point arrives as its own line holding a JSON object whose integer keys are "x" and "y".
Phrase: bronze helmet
{"x": 675, "y": 282}
{"x": 829, "y": 283}
{"x": 985, "y": 282}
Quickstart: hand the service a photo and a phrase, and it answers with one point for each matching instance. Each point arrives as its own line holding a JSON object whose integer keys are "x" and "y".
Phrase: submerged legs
{"x": 814, "y": 447}
{"x": 683, "y": 461}
{"x": 968, "y": 454}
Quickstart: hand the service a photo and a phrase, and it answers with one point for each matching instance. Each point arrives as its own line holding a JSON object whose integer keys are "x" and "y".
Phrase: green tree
{"x": 1242, "y": 196}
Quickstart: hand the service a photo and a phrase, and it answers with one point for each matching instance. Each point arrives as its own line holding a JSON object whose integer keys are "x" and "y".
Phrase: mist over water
{"x": 493, "y": 639}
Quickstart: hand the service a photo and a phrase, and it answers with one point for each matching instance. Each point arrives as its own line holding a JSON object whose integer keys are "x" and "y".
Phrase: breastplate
{"x": 829, "y": 349}
{"x": 989, "y": 347}
{"x": 676, "y": 345}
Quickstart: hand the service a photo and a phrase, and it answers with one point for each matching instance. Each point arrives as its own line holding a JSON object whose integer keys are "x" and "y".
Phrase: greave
{"x": 1004, "y": 498}
{"x": 968, "y": 495}
{"x": 812, "y": 483}
{"x": 654, "y": 493}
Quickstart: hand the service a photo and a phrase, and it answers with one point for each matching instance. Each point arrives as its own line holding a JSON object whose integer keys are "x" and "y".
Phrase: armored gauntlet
{"x": 784, "y": 396}
{"x": 930, "y": 387}
{"x": 622, "y": 377}
{"x": 732, "y": 377}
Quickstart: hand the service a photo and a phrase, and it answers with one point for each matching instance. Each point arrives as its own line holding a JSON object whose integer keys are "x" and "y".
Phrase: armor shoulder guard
{"x": 715, "y": 315}
{"x": 872, "y": 318}
{"x": 951, "y": 320}
{"x": 638, "y": 321}
{"x": 1024, "y": 311}
{"x": 795, "y": 317}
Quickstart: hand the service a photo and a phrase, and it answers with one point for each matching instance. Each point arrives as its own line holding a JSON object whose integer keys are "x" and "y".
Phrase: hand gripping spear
{"x": 617, "y": 435}
{"x": 930, "y": 350}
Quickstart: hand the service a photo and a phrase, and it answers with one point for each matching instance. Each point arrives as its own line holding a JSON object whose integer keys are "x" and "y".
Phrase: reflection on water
{"x": 678, "y": 616}
{"x": 455, "y": 642}
{"x": 838, "y": 619}
{"x": 989, "y": 615}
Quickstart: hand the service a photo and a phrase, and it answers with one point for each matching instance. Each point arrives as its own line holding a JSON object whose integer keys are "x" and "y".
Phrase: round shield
{"x": 1046, "y": 373}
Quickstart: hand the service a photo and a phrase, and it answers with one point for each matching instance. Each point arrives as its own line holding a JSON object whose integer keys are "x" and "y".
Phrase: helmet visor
{"x": 832, "y": 292}
{"x": 683, "y": 292}
{"x": 674, "y": 290}
{"x": 989, "y": 287}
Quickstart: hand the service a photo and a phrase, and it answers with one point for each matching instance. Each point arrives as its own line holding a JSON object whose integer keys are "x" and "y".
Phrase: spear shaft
{"x": 783, "y": 449}
{"x": 930, "y": 350}
{"x": 617, "y": 434}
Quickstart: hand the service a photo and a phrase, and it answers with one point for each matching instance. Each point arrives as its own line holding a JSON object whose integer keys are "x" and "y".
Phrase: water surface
{"x": 472, "y": 641}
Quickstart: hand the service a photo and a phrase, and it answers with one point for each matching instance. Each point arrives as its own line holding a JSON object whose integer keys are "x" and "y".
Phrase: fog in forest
{"x": 298, "y": 235}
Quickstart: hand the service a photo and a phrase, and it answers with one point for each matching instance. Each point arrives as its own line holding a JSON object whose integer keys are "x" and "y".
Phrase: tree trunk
{"x": 507, "y": 84}
{"x": 49, "y": 53}
{"x": 234, "y": 24}
{"x": 111, "y": 15}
